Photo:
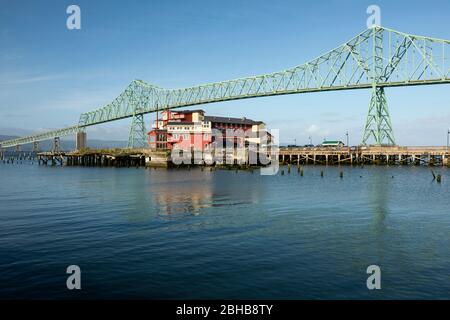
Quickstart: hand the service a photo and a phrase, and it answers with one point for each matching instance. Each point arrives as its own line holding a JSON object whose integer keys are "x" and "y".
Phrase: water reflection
{"x": 379, "y": 198}
{"x": 187, "y": 193}
{"x": 194, "y": 191}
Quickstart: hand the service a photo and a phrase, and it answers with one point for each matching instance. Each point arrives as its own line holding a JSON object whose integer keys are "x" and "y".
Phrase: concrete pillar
{"x": 80, "y": 141}
{"x": 56, "y": 145}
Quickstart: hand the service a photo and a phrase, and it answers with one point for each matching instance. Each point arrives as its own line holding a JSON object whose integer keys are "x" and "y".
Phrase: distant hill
{"x": 70, "y": 144}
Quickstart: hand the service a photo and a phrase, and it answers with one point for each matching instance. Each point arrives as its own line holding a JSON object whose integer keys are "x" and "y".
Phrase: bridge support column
{"x": 35, "y": 146}
{"x": 138, "y": 134}
{"x": 81, "y": 140}
{"x": 378, "y": 123}
{"x": 56, "y": 145}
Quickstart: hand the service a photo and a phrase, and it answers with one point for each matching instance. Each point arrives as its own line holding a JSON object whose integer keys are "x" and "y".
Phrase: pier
{"x": 105, "y": 158}
{"x": 376, "y": 155}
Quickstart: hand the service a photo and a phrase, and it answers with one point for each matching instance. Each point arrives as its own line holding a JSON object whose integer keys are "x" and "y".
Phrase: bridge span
{"x": 375, "y": 59}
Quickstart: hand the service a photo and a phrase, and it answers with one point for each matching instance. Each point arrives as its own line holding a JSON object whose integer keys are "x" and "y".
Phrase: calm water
{"x": 139, "y": 233}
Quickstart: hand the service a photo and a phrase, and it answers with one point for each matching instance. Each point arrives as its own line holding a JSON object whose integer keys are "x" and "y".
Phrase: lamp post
{"x": 448, "y": 134}
{"x": 348, "y": 146}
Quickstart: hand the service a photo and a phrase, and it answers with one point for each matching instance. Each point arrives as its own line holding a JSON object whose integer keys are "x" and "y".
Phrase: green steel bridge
{"x": 374, "y": 59}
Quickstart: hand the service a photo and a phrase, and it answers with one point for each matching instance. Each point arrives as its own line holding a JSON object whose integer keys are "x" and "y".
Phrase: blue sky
{"x": 49, "y": 74}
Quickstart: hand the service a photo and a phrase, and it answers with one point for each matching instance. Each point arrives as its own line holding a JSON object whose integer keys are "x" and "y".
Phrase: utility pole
{"x": 348, "y": 146}
{"x": 448, "y": 134}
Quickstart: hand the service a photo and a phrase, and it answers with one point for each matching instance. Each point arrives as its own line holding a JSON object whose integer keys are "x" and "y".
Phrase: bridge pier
{"x": 36, "y": 146}
{"x": 81, "y": 140}
{"x": 56, "y": 145}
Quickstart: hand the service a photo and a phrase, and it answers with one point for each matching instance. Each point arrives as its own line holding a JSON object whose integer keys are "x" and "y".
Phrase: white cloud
{"x": 314, "y": 129}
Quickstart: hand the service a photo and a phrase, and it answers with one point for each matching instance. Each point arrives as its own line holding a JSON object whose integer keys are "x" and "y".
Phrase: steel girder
{"x": 406, "y": 60}
{"x": 138, "y": 135}
{"x": 41, "y": 137}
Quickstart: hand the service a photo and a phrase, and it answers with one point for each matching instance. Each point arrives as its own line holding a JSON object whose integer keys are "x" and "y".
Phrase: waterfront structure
{"x": 193, "y": 130}
{"x": 377, "y": 155}
{"x": 430, "y": 156}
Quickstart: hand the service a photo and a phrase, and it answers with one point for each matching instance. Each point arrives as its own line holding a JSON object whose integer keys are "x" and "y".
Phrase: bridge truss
{"x": 375, "y": 59}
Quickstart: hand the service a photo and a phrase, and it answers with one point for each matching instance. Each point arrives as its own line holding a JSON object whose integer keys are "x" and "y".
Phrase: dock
{"x": 105, "y": 158}
{"x": 362, "y": 155}
{"x": 375, "y": 155}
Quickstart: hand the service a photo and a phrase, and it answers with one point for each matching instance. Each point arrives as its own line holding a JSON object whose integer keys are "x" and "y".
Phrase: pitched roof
{"x": 231, "y": 120}
{"x": 189, "y": 111}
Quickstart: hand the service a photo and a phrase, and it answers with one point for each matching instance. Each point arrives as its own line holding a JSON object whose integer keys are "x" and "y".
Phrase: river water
{"x": 187, "y": 234}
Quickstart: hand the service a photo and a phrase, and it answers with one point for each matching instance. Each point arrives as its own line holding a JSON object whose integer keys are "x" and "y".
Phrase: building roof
{"x": 332, "y": 142}
{"x": 231, "y": 120}
{"x": 189, "y": 111}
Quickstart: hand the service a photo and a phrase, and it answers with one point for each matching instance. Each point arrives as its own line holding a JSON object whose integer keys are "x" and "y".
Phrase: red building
{"x": 191, "y": 129}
